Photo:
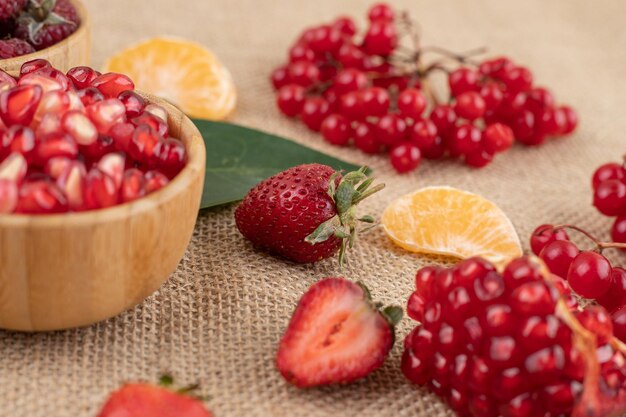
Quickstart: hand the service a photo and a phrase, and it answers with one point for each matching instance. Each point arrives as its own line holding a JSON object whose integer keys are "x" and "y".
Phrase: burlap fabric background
{"x": 219, "y": 317}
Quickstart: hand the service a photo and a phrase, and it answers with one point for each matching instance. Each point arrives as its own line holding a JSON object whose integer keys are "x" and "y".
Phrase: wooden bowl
{"x": 72, "y": 51}
{"x": 69, "y": 270}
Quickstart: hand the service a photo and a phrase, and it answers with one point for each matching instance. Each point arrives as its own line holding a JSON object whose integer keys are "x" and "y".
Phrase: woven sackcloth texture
{"x": 218, "y": 319}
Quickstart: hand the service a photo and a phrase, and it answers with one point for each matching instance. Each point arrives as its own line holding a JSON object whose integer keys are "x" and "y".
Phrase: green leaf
{"x": 238, "y": 158}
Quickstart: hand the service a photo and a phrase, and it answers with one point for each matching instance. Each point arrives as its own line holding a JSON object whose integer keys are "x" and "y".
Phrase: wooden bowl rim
{"x": 80, "y": 32}
{"x": 195, "y": 163}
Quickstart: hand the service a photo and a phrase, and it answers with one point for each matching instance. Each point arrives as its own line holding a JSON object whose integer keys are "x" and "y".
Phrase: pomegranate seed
{"x": 133, "y": 185}
{"x": 18, "y": 105}
{"x": 598, "y": 321}
{"x": 538, "y": 332}
{"x": 156, "y": 110}
{"x": 48, "y": 84}
{"x": 100, "y": 190}
{"x": 143, "y": 143}
{"x": 8, "y": 196}
{"x": 55, "y": 145}
{"x": 34, "y": 65}
{"x": 14, "y": 168}
{"x": 102, "y": 146}
{"x": 133, "y": 102}
{"x": 533, "y": 298}
{"x": 521, "y": 271}
{"x": 122, "y": 134}
{"x": 546, "y": 365}
{"x": 155, "y": 181}
{"x": 82, "y": 77}
{"x": 55, "y": 75}
{"x": 498, "y": 320}
{"x": 619, "y": 323}
{"x": 56, "y": 102}
{"x": 112, "y": 84}
{"x": 6, "y": 81}
{"x": 22, "y": 140}
{"x": 89, "y": 96}
{"x": 106, "y": 113}
{"x": 112, "y": 164}
{"x": 75, "y": 101}
{"x": 72, "y": 183}
{"x": 80, "y": 127}
{"x": 41, "y": 197}
{"x": 49, "y": 125}
{"x": 154, "y": 121}
{"x": 56, "y": 166}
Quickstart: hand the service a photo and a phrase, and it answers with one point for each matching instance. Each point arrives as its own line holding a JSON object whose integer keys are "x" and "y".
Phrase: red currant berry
{"x": 280, "y": 77}
{"x": 609, "y": 197}
{"x": 470, "y": 105}
{"x": 349, "y": 79}
{"x": 381, "y": 11}
{"x": 512, "y": 104}
{"x": 478, "y": 159}
{"x": 615, "y": 297}
{"x": 551, "y": 121}
{"x": 381, "y": 38}
{"x": 517, "y": 79}
{"x": 424, "y": 135}
{"x": 463, "y": 80}
{"x": 619, "y": 324}
{"x": 497, "y": 137}
{"x": 365, "y": 138}
{"x": 492, "y": 95}
{"x": 590, "y": 274}
{"x": 444, "y": 117}
{"x": 391, "y": 129}
{"x": 610, "y": 171}
{"x": 301, "y": 52}
{"x": 523, "y": 126}
{"x": 336, "y": 129}
{"x": 405, "y": 157}
{"x": 351, "y": 56}
{"x": 618, "y": 231}
{"x": 544, "y": 235}
{"x": 411, "y": 103}
{"x": 376, "y": 100}
{"x": 291, "y": 99}
{"x": 558, "y": 256}
{"x": 496, "y": 67}
{"x": 303, "y": 73}
{"x": 314, "y": 111}
{"x": 571, "y": 120}
{"x": 539, "y": 99}
{"x": 324, "y": 39}
{"x": 345, "y": 25}
{"x": 352, "y": 106}
{"x": 465, "y": 140}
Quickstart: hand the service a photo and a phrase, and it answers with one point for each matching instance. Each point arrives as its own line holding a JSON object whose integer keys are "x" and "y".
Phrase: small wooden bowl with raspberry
{"x": 88, "y": 235}
{"x": 66, "y": 45}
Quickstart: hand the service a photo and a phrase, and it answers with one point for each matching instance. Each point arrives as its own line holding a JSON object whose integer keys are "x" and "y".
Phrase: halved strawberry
{"x": 336, "y": 335}
{"x": 147, "y": 400}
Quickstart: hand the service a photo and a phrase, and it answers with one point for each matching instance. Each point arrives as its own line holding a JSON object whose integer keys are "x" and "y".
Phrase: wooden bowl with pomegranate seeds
{"x": 71, "y": 52}
{"x": 61, "y": 271}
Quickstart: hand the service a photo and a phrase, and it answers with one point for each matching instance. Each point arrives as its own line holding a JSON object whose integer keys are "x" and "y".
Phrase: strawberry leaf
{"x": 239, "y": 158}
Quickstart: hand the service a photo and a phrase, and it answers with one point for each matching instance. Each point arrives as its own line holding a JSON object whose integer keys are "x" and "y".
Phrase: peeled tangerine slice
{"x": 452, "y": 222}
{"x": 182, "y": 72}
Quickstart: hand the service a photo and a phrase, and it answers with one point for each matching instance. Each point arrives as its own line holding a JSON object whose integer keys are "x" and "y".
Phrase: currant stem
{"x": 463, "y": 58}
{"x": 599, "y": 244}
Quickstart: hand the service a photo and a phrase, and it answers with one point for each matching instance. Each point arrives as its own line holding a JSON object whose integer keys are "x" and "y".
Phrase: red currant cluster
{"x": 609, "y": 196}
{"x": 496, "y": 344}
{"x": 587, "y": 272}
{"x": 79, "y": 141}
{"x": 367, "y": 91}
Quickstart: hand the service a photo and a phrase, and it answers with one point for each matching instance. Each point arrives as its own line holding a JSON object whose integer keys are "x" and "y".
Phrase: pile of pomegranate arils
{"x": 79, "y": 141}
{"x": 609, "y": 196}
{"x": 374, "y": 93}
{"x": 510, "y": 344}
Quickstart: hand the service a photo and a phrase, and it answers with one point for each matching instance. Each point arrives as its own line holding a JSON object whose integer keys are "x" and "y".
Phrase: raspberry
{"x": 515, "y": 353}
{"x": 10, "y": 48}
{"x": 45, "y": 23}
{"x": 10, "y": 8}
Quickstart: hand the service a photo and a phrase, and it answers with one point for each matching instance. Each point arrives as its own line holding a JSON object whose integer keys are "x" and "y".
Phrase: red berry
{"x": 391, "y": 129}
{"x": 590, "y": 274}
{"x": 303, "y": 73}
{"x": 301, "y": 52}
{"x": 597, "y": 320}
{"x": 381, "y": 38}
{"x": 349, "y": 79}
{"x": 54, "y": 146}
{"x": 100, "y": 190}
{"x": 34, "y": 65}
{"x": 497, "y": 137}
{"x": 133, "y": 185}
{"x": 376, "y": 100}
{"x": 492, "y": 95}
{"x": 411, "y": 103}
{"x": 280, "y": 77}
{"x": 496, "y": 67}
{"x": 615, "y": 297}
{"x": 609, "y": 197}
{"x": 82, "y": 77}
{"x": 551, "y": 121}
{"x": 133, "y": 103}
{"x": 517, "y": 79}
{"x": 13, "y": 168}
{"x": 112, "y": 84}
{"x": 415, "y": 307}
{"x": 89, "y": 96}
{"x": 463, "y": 80}
{"x": 533, "y": 298}
{"x": 143, "y": 144}
{"x": 345, "y": 25}
{"x": 171, "y": 156}
{"x": 290, "y": 99}
{"x": 405, "y": 157}
{"x": 558, "y": 256}
{"x": 336, "y": 129}
{"x": 72, "y": 182}
{"x": 314, "y": 111}
{"x": 19, "y": 139}
{"x": 619, "y": 324}
{"x": 381, "y": 11}
{"x": 470, "y": 105}
{"x": 618, "y": 231}
{"x": 539, "y": 99}
{"x": 479, "y": 158}
{"x": 571, "y": 120}
{"x": 365, "y": 138}
{"x": 351, "y": 56}
{"x": 465, "y": 140}
{"x": 79, "y": 127}
{"x": 444, "y": 117}
{"x": 155, "y": 181}
{"x": 424, "y": 135}
{"x": 352, "y": 106}
{"x": 325, "y": 39}
{"x": 106, "y": 113}
{"x": 544, "y": 235}
{"x": 610, "y": 171}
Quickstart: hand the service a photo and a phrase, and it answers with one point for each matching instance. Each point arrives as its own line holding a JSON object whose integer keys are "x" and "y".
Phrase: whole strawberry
{"x": 10, "y": 48}
{"x": 147, "y": 400}
{"x": 46, "y": 22}
{"x": 306, "y": 213}
{"x": 336, "y": 335}
{"x": 11, "y": 8}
